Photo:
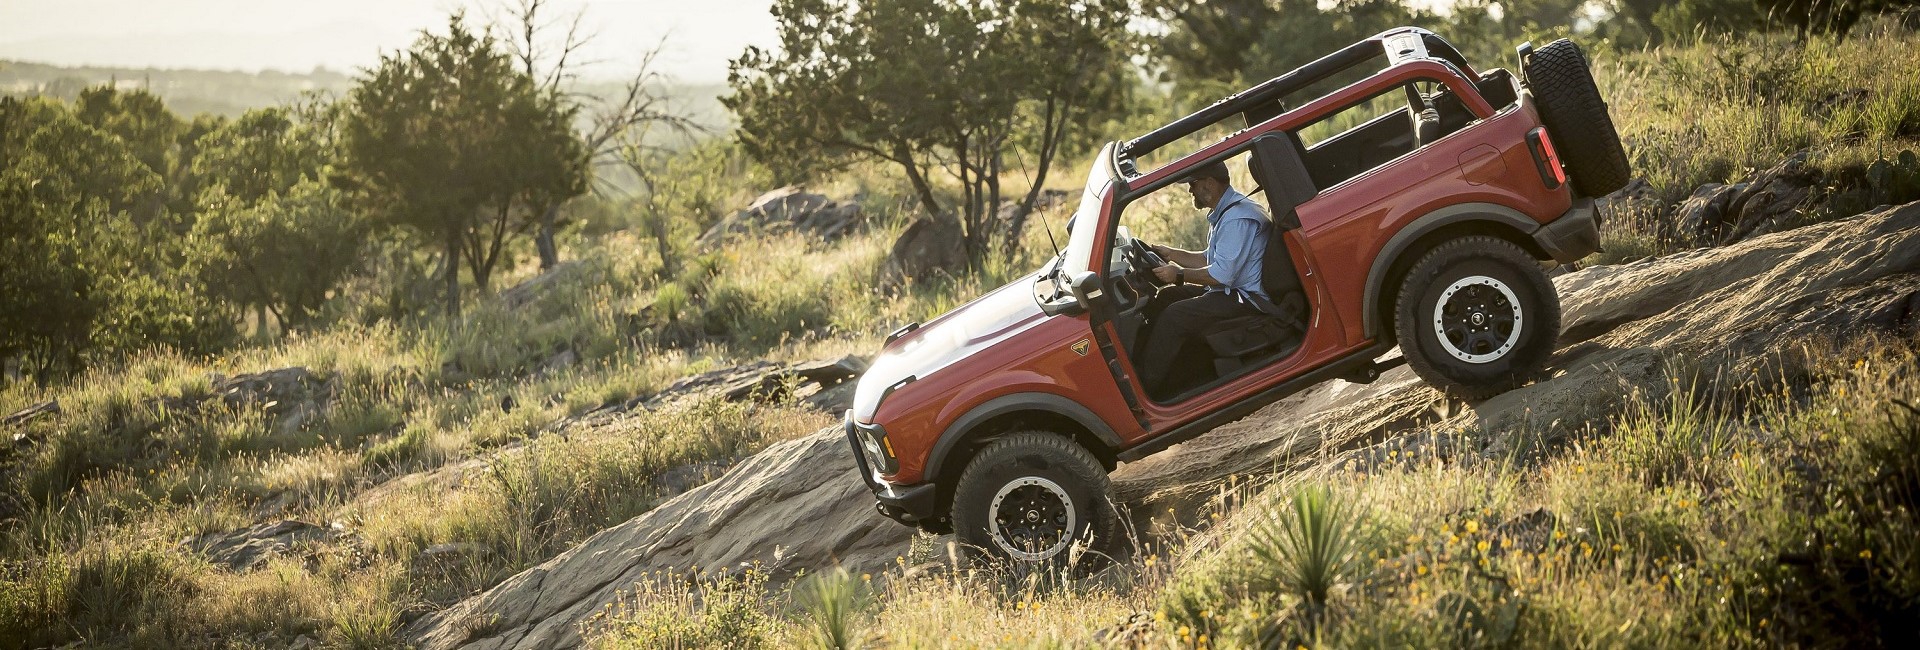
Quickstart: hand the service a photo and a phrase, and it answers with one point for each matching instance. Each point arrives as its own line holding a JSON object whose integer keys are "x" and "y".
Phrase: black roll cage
{"x": 1263, "y": 101}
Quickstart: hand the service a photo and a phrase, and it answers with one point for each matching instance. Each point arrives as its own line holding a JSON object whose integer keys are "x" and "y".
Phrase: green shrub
{"x": 833, "y": 609}
{"x": 715, "y": 611}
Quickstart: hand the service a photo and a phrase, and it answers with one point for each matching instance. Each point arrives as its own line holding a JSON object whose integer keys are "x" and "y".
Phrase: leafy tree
{"x": 81, "y": 275}
{"x": 927, "y": 85}
{"x": 281, "y": 253}
{"x": 142, "y": 122}
{"x": 262, "y": 154}
{"x": 139, "y": 118}
{"x": 637, "y": 110}
{"x": 46, "y": 302}
{"x": 1246, "y": 41}
{"x": 442, "y": 139}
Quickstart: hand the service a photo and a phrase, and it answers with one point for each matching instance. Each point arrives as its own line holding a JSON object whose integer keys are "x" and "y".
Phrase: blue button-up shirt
{"x": 1236, "y": 242}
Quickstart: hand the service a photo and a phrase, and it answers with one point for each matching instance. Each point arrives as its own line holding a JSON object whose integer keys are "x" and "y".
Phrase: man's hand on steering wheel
{"x": 1167, "y": 273}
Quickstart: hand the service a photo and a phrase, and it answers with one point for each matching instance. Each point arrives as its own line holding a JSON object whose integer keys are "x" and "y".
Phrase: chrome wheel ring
{"x": 1478, "y": 319}
{"x": 1031, "y": 519}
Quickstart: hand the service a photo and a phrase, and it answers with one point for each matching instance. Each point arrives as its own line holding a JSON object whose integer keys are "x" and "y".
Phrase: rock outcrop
{"x": 1770, "y": 201}
{"x": 800, "y": 504}
{"x": 248, "y": 549}
{"x": 824, "y": 384}
{"x": 930, "y": 246}
{"x": 31, "y": 413}
{"x": 789, "y": 209}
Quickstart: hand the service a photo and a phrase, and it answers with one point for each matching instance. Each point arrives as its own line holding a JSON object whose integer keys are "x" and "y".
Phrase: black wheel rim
{"x": 1478, "y": 319}
{"x": 1031, "y": 519}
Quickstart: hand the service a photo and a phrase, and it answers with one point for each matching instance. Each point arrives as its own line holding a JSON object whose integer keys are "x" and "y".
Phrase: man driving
{"x": 1206, "y": 286}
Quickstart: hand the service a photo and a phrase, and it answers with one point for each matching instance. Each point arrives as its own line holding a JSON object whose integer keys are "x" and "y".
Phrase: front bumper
{"x": 1575, "y": 234}
{"x": 913, "y": 505}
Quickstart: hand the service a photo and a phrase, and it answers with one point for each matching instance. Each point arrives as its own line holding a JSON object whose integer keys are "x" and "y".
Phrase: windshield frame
{"x": 1084, "y": 227}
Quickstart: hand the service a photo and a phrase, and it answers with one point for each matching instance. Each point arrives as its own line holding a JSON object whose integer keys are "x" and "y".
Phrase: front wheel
{"x": 1477, "y": 317}
{"x": 1031, "y": 498}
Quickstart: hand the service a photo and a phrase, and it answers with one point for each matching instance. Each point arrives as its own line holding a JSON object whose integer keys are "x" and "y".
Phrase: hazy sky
{"x": 297, "y": 35}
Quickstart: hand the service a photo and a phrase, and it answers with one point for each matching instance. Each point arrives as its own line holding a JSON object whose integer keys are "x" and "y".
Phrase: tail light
{"x": 1545, "y": 159}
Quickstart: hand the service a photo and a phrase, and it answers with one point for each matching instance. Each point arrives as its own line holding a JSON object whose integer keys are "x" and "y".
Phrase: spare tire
{"x": 1576, "y": 117}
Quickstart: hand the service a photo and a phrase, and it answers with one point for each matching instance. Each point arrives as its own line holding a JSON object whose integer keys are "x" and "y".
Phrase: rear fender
{"x": 1401, "y": 249}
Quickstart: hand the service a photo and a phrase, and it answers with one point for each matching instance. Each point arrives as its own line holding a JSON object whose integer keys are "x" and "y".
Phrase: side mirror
{"x": 1086, "y": 288}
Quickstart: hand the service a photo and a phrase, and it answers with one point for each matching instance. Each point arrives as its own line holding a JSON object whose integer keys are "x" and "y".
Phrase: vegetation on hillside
{"x": 152, "y": 256}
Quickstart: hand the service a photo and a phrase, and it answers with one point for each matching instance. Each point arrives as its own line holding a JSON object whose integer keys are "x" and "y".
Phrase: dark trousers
{"x": 1180, "y": 314}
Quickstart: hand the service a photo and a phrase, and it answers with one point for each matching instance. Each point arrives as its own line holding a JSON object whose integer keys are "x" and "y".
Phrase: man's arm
{"x": 1241, "y": 247}
{"x": 1186, "y": 258}
{"x": 1172, "y": 273}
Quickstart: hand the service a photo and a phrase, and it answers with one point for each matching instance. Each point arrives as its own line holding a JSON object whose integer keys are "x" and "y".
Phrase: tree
{"x": 927, "y": 85}
{"x": 441, "y": 140}
{"x": 46, "y": 303}
{"x": 280, "y": 253}
{"x": 1248, "y": 41}
{"x": 142, "y": 122}
{"x": 262, "y": 154}
{"x": 639, "y": 107}
{"x": 81, "y": 275}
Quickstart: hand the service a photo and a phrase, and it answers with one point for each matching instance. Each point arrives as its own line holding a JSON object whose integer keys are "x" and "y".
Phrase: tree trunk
{"x": 453, "y": 278}
{"x": 921, "y": 188}
{"x": 1051, "y": 135}
{"x": 549, "y": 255}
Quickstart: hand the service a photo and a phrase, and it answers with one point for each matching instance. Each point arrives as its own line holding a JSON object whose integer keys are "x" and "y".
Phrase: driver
{"x": 1206, "y": 286}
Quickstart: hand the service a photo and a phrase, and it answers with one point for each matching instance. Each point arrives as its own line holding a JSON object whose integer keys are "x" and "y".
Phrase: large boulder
{"x": 824, "y": 384}
{"x": 800, "y": 504}
{"x": 250, "y": 548}
{"x": 789, "y": 209}
{"x": 1770, "y": 201}
{"x": 930, "y": 246}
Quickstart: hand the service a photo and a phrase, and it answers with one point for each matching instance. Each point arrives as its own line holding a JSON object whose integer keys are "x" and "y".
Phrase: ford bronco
{"x": 1426, "y": 227}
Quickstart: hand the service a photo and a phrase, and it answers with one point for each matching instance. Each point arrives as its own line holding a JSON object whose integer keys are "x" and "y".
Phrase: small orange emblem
{"x": 1080, "y": 347}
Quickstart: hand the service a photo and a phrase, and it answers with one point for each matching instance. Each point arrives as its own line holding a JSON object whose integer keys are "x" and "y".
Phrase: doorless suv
{"x": 1426, "y": 227}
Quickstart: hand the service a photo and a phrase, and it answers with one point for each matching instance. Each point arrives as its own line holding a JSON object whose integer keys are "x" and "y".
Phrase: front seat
{"x": 1237, "y": 342}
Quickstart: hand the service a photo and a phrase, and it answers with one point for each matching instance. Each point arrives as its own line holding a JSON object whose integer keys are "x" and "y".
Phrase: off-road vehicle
{"x": 1426, "y": 227}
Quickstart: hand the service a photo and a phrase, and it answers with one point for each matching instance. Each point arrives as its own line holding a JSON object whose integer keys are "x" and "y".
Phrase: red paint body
{"x": 1003, "y": 344}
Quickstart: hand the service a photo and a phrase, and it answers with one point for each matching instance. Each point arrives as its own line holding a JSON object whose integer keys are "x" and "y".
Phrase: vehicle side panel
{"x": 1347, "y": 225}
{"x": 1045, "y": 359}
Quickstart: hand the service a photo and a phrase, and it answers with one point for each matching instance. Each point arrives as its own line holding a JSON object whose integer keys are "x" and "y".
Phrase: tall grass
{"x": 1723, "y": 107}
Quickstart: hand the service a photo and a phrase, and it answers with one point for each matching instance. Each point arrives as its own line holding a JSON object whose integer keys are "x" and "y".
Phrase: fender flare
{"x": 1427, "y": 224}
{"x": 1028, "y": 401}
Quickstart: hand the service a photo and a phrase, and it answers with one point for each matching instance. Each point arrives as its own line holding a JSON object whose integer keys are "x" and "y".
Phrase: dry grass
{"x": 1685, "y": 520}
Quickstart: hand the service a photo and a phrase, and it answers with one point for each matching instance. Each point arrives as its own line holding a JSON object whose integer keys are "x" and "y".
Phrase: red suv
{"x": 1415, "y": 206}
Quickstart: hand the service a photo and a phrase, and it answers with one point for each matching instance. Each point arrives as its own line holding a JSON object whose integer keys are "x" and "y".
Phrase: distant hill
{"x": 230, "y": 93}
{"x": 188, "y": 92}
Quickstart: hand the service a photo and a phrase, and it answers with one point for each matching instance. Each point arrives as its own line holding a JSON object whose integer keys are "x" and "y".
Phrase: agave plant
{"x": 834, "y": 603}
{"x": 1309, "y": 547}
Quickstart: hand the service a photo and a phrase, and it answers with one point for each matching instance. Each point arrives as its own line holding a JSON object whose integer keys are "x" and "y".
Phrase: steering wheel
{"x": 1141, "y": 261}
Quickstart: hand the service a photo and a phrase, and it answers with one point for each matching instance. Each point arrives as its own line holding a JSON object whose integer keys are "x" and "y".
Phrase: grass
{"x": 1725, "y": 107}
{"x": 1775, "y": 513}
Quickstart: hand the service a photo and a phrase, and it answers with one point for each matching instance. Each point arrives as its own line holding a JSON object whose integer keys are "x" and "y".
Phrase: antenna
{"x": 1050, "y": 239}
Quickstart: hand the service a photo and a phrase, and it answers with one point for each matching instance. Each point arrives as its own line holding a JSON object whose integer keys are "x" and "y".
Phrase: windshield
{"x": 1080, "y": 229}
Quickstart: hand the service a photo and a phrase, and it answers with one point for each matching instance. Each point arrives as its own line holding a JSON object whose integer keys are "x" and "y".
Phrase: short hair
{"x": 1216, "y": 170}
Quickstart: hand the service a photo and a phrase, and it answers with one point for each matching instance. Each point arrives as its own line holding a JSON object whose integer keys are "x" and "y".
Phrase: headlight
{"x": 876, "y": 447}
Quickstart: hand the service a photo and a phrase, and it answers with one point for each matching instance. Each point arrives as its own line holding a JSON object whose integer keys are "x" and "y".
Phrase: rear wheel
{"x": 1477, "y": 317}
{"x": 1031, "y": 498}
{"x": 1576, "y": 117}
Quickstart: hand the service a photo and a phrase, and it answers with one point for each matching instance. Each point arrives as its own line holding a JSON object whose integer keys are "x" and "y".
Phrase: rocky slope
{"x": 799, "y": 504}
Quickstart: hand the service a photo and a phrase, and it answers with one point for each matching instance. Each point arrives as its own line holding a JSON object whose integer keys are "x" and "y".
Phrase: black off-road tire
{"x": 1476, "y": 274}
{"x": 1576, "y": 118}
{"x": 1028, "y": 456}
